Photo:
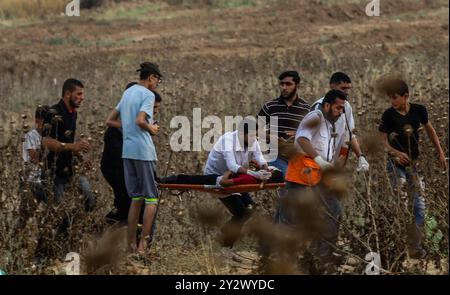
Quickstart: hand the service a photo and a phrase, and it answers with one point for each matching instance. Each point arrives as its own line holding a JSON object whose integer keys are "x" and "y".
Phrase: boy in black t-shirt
{"x": 399, "y": 128}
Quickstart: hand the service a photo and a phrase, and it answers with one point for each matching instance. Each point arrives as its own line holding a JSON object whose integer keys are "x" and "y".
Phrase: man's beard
{"x": 290, "y": 95}
{"x": 73, "y": 104}
{"x": 329, "y": 116}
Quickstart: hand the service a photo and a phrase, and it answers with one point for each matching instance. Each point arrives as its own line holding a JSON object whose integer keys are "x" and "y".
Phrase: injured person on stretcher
{"x": 226, "y": 180}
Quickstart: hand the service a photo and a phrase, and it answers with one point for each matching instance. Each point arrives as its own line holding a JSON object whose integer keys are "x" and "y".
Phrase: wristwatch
{"x": 63, "y": 144}
{"x": 361, "y": 155}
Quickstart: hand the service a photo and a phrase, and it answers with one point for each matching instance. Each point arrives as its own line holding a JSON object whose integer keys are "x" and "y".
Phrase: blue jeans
{"x": 412, "y": 180}
{"x": 409, "y": 177}
{"x": 281, "y": 164}
{"x": 59, "y": 184}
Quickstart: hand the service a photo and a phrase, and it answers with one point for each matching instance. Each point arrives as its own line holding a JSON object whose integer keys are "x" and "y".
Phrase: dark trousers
{"x": 241, "y": 207}
{"x": 209, "y": 179}
{"x": 121, "y": 199}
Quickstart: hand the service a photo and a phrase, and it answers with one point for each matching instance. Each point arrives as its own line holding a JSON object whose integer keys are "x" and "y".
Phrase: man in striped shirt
{"x": 290, "y": 109}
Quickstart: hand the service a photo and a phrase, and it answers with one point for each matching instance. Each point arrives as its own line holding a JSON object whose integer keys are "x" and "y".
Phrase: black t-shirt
{"x": 112, "y": 151}
{"x": 397, "y": 126}
{"x": 60, "y": 124}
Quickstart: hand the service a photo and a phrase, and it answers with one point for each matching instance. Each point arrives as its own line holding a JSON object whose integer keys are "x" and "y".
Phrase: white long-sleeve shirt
{"x": 228, "y": 155}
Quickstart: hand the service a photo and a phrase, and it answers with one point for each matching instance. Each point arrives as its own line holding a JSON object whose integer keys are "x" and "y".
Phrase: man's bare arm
{"x": 113, "y": 119}
{"x": 435, "y": 139}
{"x": 226, "y": 179}
{"x": 307, "y": 147}
{"x": 402, "y": 157}
{"x": 355, "y": 146}
{"x": 54, "y": 145}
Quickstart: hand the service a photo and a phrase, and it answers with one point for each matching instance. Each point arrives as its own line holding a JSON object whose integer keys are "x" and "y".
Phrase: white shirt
{"x": 345, "y": 122}
{"x": 228, "y": 155}
{"x": 32, "y": 142}
{"x": 319, "y": 131}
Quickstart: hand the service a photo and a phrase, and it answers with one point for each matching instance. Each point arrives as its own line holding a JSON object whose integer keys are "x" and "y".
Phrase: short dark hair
{"x": 340, "y": 77}
{"x": 148, "y": 68}
{"x": 41, "y": 112}
{"x": 332, "y": 95}
{"x": 395, "y": 86}
{"x": 276, "y": 177}
{"x": 294, "y": 74}
{"x": 70, "y": 84}
{"x": 130, "y": 84}
{"x": 157, "y": 96}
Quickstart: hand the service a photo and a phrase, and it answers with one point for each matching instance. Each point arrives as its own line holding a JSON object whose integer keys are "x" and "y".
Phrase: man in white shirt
{"x": 341, "y": 81}
{"x": 233, "y": 152}
{"x": 317, "y": 139}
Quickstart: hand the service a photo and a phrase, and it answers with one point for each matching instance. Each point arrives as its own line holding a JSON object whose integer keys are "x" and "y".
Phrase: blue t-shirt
{"x": 137, "y": 142}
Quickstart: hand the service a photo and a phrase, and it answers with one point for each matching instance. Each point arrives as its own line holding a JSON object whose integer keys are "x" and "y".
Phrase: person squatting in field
{"x": 233, "y": 152}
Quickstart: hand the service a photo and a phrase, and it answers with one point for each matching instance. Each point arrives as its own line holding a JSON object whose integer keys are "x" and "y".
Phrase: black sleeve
{"x": 423, "y": 114}
{"x": 385, "y": 124}
{"x": 49, "y": 127}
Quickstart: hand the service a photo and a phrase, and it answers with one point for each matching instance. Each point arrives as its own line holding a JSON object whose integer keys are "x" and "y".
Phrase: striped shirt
{"x": 289, "y": 117}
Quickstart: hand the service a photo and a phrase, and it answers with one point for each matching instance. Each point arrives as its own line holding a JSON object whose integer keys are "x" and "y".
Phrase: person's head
{"x": 333, "y": 104}
{"x": 289, "y": 82}
{"x": 277, "y": 175}
{"x": 149, "y": 75}
{"x": 73, "y": 93}
{"x": 39, "y": 116}
{"x": 248, "y": 131}
{"x": 398, "y": 92}
{"x": 340, "y": 81}
{"x": 157, "y": 104}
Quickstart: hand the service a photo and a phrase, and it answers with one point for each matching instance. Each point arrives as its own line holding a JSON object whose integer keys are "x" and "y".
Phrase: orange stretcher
{"x": 242, "y": 188}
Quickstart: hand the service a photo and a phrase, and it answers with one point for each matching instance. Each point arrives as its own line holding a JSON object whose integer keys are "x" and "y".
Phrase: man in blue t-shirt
{"x": 135, "y": 111}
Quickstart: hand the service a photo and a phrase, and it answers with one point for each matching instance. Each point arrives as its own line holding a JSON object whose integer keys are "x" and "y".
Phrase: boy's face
{"x": 399, "y": 101}
{"x": 153, "y": 81}
{"x": 156, "y": 108}
{"x": 39, "y": 123}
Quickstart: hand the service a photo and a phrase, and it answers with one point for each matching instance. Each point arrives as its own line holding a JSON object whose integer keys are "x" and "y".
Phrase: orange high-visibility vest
{"x": 303, "y": 169}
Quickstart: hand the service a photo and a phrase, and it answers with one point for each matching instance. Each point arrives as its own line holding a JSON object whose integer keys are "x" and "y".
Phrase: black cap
{"x": 150, "y": 67}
